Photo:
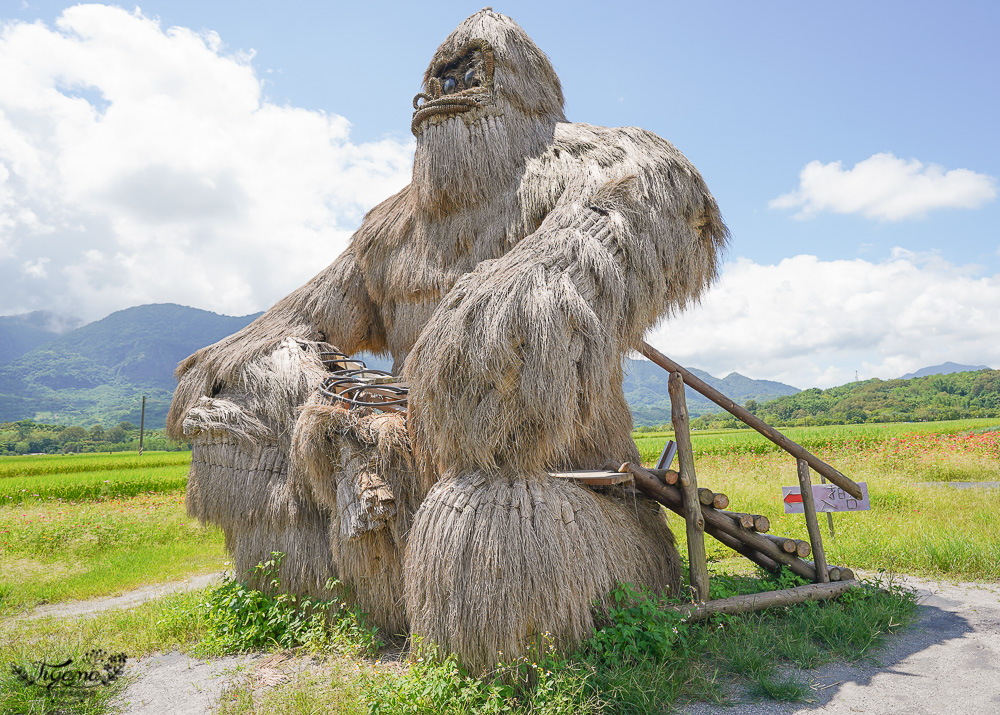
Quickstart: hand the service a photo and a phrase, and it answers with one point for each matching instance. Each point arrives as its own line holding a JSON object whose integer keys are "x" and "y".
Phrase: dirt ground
{"x": 947, "y": 662}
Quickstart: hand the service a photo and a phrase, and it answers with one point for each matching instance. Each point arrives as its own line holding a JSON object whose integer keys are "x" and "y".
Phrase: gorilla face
{"x": 490, "y": 100}
{"x": 456, "y": 83}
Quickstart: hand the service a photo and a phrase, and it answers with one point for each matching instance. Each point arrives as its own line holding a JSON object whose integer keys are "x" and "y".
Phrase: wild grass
{"x": 54, "y": 550}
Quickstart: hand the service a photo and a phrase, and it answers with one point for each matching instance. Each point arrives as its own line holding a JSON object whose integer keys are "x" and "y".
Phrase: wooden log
{"x": 769, "y": 599}
{"x": 697, "y": 558}
{"x": 802, "y": 548}
{"x": 834, "y": 573}
{"x": 846, "y": 574}
{"x": 744, "y": 520}
{"x": 758, "y": 424}
{"x": 709, "y": 498}
{"x": 812, "y": 523}
{"x": 671, "y": 498}
{"x": 751, "y": 521}
{"x": 765, "y": 562}
{"x": 782, "y": 542}
{"x": 668, "y": 476}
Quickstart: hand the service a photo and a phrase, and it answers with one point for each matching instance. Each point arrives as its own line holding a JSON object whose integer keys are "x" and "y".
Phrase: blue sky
{"x": 884, "y": 262}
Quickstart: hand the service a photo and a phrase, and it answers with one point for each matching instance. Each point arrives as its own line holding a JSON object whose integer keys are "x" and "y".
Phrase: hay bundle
{"x": 496, "y": 562}
{"x": 239, "y": 467}
{"x": 357, "y": 465}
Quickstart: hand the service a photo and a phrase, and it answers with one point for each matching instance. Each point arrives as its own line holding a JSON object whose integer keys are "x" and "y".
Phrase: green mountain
{"x": 944, "y": 369}
{"x": 98, "y": 373}
{"x": 934, "y": 397}
{"x": 646, "y": 392}
{"x": 20, "y": 334}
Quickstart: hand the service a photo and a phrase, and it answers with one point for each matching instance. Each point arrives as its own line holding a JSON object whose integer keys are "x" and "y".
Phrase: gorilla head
{"x": 491, "y": 100}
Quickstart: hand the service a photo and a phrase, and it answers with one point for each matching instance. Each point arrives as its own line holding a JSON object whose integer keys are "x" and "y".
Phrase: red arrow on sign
{"x": 793, "y": 499}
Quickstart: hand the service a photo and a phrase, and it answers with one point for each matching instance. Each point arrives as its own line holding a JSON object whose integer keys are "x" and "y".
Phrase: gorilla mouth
{"x": 456, "y": 84}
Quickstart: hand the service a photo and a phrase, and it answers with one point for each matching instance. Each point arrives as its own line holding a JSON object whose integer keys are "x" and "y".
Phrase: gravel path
{"x": 947, "y": 662}
{"x": 176, "y": 684}
{"x": 126, "y": 600}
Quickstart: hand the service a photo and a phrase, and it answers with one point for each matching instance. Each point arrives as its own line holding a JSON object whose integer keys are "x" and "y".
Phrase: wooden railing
{"x": 694, "y": 518}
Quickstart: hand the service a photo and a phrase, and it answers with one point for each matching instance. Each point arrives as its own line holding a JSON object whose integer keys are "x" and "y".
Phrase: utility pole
{"x": 142, "y": 424}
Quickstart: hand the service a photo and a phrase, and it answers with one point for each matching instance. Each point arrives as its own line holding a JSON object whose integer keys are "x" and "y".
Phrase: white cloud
{"x": 812, "y": 323}
{"x": 35, "y": 269}
{"x": 140, "y": 164}
{"x": 886, "y": 188}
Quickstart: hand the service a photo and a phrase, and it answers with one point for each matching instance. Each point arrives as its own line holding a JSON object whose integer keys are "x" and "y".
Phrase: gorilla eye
{"x": 470, "y": 78}
{"x": 448, "y": 85}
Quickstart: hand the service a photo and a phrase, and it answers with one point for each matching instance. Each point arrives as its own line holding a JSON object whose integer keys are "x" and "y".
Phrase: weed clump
{"x": 240, "y": 619}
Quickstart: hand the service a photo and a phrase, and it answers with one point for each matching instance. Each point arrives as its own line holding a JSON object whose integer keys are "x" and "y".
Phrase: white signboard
{"x": 828, "y": 497}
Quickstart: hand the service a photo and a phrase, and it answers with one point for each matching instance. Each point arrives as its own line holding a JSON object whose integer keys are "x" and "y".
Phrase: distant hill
{"x": 944, "y": 369}
{"x": 646, "y": 392}
{"x": 934, "y": 397}
{"x": 20, "y": 334}
{"x": 99, "y": 372}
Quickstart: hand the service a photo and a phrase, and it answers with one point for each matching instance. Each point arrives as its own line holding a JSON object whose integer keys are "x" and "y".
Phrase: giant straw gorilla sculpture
{"x": 525, "y": 259}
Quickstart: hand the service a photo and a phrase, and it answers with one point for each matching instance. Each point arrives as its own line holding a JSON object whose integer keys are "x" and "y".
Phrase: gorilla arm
{"x": 251, "y": 383}
{"x": 524, "y": 355}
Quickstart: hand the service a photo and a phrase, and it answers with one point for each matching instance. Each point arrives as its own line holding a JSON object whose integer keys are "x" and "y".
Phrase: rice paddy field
{"x": 80, "y": 526}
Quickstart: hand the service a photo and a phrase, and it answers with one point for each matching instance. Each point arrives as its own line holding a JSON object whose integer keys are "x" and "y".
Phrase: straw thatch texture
{"x": 495, "y": 563}
{"x": 508, "y": 281}
{"x": 357, "y": 465}
{"x": 239, "y": 467}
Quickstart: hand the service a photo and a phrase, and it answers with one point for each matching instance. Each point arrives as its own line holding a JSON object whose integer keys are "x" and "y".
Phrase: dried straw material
{"x": 496, "y": 563}
{"x": 357, "y": 466}
{"x": 508, "y": 280}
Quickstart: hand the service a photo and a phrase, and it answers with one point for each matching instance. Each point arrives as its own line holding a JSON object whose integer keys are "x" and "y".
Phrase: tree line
{"x": 960, "y": 395}
{"x": 30, "y": 437}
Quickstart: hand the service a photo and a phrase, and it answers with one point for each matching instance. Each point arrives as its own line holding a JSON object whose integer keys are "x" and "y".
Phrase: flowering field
{"x": 919, "y": 523}
{"x": 849, "y": 438}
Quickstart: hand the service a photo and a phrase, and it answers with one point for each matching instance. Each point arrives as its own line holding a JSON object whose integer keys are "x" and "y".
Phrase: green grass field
{"x": 76, "y": 527}
{"x": 912, "y": 527}
{"x": 51, "y": 464}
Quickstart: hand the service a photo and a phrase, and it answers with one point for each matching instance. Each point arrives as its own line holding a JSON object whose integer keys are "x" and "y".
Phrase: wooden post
{"x": 697, "y": 559}
{"x": 142, "y": 424}
{"x": 812, "y": 523}
{"x": 829, "y": 514}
